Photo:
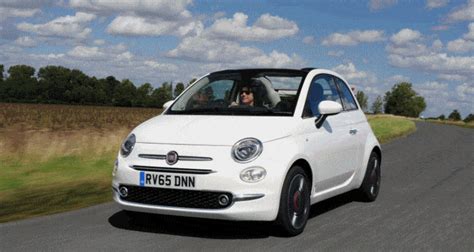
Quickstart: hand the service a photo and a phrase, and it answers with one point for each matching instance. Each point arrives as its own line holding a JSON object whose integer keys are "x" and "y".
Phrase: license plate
{"x": 155, "y": 179}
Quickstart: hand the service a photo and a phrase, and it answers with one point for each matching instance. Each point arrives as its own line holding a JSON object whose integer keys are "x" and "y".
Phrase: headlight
{"x": 128, "y": 145}
{"x": 246, "y": 150}
{"x": 114, "y": 171}
{"x": 253, "y": 174}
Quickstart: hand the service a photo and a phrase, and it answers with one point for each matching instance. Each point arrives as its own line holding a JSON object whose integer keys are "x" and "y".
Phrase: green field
{"x": 55, "y": 158}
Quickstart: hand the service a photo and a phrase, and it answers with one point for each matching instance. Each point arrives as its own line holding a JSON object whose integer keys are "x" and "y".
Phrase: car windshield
{"x": 242, "y": 92}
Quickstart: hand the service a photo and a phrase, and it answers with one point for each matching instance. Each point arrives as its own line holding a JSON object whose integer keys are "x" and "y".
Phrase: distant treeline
{"x": 61, "y": 85}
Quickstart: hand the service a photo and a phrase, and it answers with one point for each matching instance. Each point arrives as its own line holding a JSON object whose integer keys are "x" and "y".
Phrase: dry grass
{"x": 64, "y": 117}
{"x": 456, "y": 123}
{"x": 55, "y": 158}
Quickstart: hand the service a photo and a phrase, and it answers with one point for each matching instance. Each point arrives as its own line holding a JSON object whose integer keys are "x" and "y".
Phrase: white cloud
{"x": 99, "y": 42}
{"x": 354, "y": 38}
{"x": 266, "y": 28}
{"x": 375, "y": 5}
{"x": 25, "y": 41}
{"x": 86, "y": 52}
{"x": 470, "y": 34}
{"x": 349, "y": 71}
{"x": 162, "y": 67}
{"x": 465, "y": 92}
{"x": 462, "y": 13}
{"x": 338, "y": 53}
{"x": 171, "y": 10}
{"x": 433, "y": 4}
{"x": 73, "y": 27}
{"x": 140, "y": 26}
{"x": 460, "y": 45}
{"x": 437, "y": 45}
{"x": 435, "y": 62}
{"x": 404, "y": 36}
{"x": 408, "y": 49}
{"x": 464, "y": 44}
{"x": 452, "y": 77}
{"x": 6, "y": 12}
{"x": 351, "y": 74}
{"x": 394, "y": 79}
{"x": 309, "y": 40}
{"x": 202, "y": 49}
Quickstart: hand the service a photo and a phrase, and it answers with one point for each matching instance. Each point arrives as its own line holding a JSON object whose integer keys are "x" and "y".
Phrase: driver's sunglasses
{"x": 246, "y": 92}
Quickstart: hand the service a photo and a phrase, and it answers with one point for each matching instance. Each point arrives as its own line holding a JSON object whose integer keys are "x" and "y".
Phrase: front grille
{"x": 175, "y": 197}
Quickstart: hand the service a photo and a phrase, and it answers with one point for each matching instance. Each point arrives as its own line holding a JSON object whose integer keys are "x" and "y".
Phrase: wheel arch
{"x": 377, "y": 150}
{"x": 306, "y": 168}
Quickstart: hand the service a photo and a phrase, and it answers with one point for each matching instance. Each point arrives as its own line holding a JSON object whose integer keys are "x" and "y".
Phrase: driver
{"x": 246, "y": 97}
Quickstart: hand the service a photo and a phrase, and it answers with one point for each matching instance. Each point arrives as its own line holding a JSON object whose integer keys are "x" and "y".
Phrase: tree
{"x": 455, "y": 116}
{"x": 377, "y": 106}
{"x": 362, "y": 99}
{"x": 21, "y": 83}
{"x": 161, "y": 95}
{"x": 1, "y": 72}
{"x": 442, "y": 117}
{"x": 54, "y": 81}
{"x": 143, "y": 97}
{"x": 191, "y": 82}
{"x": 403, "y": 100}
{"x": 469, "y": 118}
{"x": 124, "y": 94}
{"x": 178, "y": 89}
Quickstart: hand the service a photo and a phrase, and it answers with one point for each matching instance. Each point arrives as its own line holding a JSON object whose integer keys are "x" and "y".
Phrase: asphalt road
{"x": 426, "y": 203}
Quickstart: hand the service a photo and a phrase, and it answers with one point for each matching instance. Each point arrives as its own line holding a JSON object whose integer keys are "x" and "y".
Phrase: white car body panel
{"x": 337, "y": 156}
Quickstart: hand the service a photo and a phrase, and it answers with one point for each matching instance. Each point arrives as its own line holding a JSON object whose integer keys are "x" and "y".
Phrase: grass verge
{"x": 389, "y": 127}
{"x": 469, "y": 125}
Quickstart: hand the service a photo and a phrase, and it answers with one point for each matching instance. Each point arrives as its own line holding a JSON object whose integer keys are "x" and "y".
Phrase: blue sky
{"x": 373, "y": 44}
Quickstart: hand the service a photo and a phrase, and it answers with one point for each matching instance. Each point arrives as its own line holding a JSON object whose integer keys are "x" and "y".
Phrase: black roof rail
{"x": 307, "y": 69}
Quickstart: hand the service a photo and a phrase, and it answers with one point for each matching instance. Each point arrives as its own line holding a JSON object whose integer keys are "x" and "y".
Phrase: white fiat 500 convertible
{"x": 250, "y": 144}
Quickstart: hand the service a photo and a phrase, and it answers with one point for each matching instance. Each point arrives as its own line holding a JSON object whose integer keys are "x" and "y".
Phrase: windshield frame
{"x": 247, "y": 111}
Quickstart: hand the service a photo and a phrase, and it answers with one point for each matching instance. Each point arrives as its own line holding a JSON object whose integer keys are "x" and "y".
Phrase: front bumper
{"x": 250, "y": 207}
{"x": 250, "y": 201}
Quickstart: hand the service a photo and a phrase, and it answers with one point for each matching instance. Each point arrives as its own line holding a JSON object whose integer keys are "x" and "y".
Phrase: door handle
{"x": 353, "y": 131}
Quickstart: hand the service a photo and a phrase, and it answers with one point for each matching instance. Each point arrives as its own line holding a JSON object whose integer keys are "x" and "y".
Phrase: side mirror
{"x": 167, "y": 104}
{"x": 327, "y": 108}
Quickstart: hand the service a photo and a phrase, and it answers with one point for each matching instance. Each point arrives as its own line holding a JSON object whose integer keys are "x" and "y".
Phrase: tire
{"x": 295, "y": 203}
{"x": 370, "y": 187}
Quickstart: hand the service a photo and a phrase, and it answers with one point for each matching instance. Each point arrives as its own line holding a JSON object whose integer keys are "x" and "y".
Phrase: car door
{"x": 331, "y": 149}
{"x": 359, "y": 128}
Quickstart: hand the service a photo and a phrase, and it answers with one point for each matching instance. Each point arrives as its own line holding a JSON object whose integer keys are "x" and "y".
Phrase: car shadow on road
{"x": 214, "y": 229}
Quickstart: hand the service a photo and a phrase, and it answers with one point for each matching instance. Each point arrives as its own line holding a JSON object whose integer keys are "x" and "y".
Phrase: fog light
{"x": 123, "y": 191}
{"x": 253, "y": 174}
{"x": 223, "y": 200}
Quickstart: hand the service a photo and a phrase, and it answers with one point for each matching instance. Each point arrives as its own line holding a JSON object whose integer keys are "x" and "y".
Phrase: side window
{"x": 347, "y": 97}
{"x": 322, "y": 88}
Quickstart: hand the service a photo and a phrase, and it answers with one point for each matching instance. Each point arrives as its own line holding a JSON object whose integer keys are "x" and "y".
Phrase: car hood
{"x": 212, "y": 130}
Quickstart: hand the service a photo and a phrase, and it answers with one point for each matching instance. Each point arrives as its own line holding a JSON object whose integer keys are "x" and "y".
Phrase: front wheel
{"x": 370, "y": 187}
{"x": 294, "y": 202}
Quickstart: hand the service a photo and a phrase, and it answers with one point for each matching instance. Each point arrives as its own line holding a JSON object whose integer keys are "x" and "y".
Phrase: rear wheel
{"x": 370, "y": 187}
{"x": 294, "y": 202}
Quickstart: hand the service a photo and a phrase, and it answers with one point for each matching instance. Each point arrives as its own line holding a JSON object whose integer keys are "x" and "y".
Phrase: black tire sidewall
{"x": 283, "y": 220}
{"x": 364, "y": 189}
